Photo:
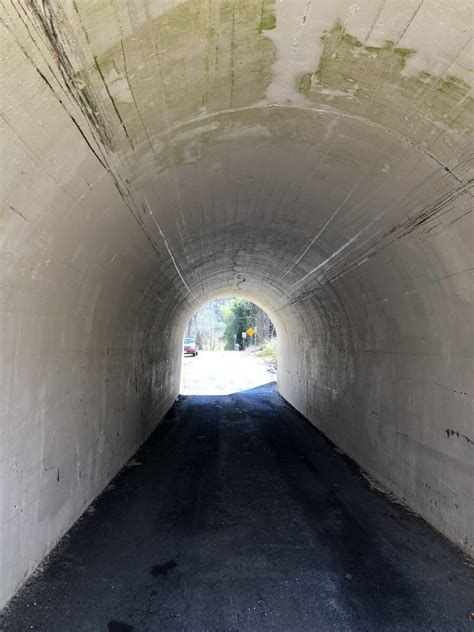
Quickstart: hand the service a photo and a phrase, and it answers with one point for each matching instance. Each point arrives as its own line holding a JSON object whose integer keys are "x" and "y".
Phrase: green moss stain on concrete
{"x": 351, "y": 41}
{"x": 370, "y": 82}
{"x": 198, "y": 58}
{"x": 267, "y": 16}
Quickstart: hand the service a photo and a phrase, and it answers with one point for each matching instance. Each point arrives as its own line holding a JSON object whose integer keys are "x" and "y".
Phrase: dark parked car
{"x": 190, "y": 346}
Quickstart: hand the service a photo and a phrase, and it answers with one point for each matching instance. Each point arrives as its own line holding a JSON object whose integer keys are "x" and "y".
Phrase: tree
{"x": 241, "y": 314}
{"x": 207, "y": 325}
{"x": 222, "y": 321}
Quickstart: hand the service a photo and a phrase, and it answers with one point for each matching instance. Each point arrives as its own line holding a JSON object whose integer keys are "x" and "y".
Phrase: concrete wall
{"x": 313, "y": 157}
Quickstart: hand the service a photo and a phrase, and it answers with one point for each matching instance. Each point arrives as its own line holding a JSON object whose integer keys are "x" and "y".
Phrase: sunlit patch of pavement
{"x": 223, "y": 372}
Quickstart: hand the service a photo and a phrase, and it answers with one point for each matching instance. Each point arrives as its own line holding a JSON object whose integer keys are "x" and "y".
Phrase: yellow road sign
{"x": 250, "y": 331}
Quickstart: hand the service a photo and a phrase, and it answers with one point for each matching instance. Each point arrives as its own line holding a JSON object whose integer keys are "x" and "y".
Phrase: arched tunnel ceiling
{"x": 316, "y": 157}
{"x": 236, "y": 131}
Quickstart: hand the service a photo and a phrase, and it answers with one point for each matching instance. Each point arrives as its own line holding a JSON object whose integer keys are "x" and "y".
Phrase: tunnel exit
{"x": 229, "y": 346}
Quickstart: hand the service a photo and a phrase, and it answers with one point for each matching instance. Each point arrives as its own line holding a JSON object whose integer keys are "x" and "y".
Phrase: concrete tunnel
{"x": 315, "y": 158}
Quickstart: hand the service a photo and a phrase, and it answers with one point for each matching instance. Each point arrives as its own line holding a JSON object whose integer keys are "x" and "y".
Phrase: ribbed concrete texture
{"x": 313, "y": 157}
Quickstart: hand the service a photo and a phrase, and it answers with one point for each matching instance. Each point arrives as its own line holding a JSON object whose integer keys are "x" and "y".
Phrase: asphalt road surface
{"x": 238, "y": 515}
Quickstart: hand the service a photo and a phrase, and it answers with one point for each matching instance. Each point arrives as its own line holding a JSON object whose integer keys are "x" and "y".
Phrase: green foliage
{"x": 220, "y": 323}
{"x": 268, "y": 351}
{"x": 239, "y": 314}
{"x": 207, "y": 325}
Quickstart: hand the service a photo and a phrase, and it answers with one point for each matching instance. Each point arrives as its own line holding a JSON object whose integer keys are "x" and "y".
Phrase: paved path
{"x": 237, "y": 515}
{"x": 222, "y": 373}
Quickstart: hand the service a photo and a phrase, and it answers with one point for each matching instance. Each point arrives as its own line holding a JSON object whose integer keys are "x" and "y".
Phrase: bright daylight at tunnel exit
{"x": 236, "y": 315}
{"x": 230, "y": 345}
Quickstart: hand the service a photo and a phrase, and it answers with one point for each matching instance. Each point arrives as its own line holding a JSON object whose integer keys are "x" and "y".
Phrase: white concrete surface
{"x": 223, "y": 373}
{"x": 158, "y": 154}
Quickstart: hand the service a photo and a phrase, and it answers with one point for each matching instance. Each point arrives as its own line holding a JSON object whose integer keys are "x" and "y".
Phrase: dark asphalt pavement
{"x": 238, "y": 515}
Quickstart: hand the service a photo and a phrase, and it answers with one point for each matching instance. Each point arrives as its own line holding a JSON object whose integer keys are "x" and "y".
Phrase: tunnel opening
{"x": 229, "y": 345}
